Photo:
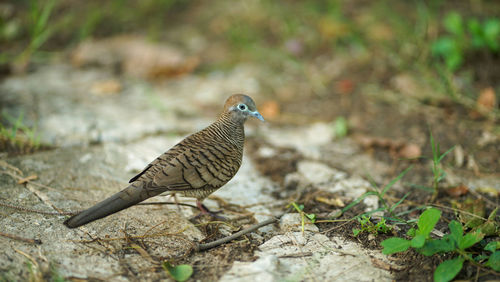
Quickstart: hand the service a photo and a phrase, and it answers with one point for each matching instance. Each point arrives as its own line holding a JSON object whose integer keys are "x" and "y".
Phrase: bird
{"x": 195, "y": 167}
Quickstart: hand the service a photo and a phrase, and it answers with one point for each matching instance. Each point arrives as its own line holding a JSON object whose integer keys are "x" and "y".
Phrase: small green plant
{"x": 455, "y": 243}
{"x": 464, "y": 37}
{"x": 370, "y": 227}
{"x": 340, "y": 127}
{"x": 17, "y": 134}
{"x": 437, "y": 169}
{"x": 39, "y": 29}
{"x": 180, "y": 272}
{"x": 303, "y": 215}
{"x": 380, "y": 193}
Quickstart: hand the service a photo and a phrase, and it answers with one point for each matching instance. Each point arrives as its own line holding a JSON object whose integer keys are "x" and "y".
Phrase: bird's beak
{"x": 257, "y": 115}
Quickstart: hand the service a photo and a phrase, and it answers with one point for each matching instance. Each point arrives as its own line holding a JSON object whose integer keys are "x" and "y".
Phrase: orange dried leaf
{"x": 345, "y": 86}
{"x": 410, "y": 151}
{"x": 270, "y": 109}
{"x": 457, "y": 191}
{"x": 487, "y": 99}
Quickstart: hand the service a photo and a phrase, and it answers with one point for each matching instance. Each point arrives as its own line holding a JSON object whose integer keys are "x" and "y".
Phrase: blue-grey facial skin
{"x": 247, "y": 112}
{"x": 257, "y": 115}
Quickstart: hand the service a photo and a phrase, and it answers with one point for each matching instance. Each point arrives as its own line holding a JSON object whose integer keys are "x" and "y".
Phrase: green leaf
{"x": 470, "y": 239}
{"x": 454, "y": 60}
{"x": 356, "y": 231}
{"x": 494, "y": 261}
{"x": 312, "y": 217}
{"x": 427, "y": 221}
{"x": 180, "y": 272}
{"x": 448, "y": 269}
{"x": 453, "y": 23}
{"x": 436, "y": 246}
{"x": 394, "y": 245}
{"x": 411, "y": 232}
{"x": 418, "y": 241}
{"x": 492, "y": 33}
{"x": 476, "y": 31}
{"x": 340, "y": 127}
{"x": 492, "y": 246}
{"x": 493, "y": 214}
{"x": 456, "y": 231}
{"x": 442, "y": 47}
{"x": 480, "y": 258}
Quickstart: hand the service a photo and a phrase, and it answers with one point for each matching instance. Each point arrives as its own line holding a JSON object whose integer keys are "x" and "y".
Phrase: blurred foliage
{"x": 375, "y": 39}
{"x": 466, "y": 36}
{"x": 16, "y": 136}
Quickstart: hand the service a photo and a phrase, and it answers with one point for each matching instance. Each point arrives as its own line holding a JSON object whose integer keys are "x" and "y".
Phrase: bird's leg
{"x": 176, "y": 201}
{"x": 204, "y": 210}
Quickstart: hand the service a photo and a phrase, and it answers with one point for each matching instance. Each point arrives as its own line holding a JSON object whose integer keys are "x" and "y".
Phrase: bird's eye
{"x": 242, "y": 107}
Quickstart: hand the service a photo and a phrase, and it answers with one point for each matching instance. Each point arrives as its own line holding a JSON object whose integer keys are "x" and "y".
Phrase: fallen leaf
{"x": 106, "y": 87}
{"x": 27, "y": 179}
{"x": 337, "y": 202}
{"x": 345, "y": 86}
{"x": 487, "y": 100}
{"x": 410, "y": 151}
{"x": 270, "y": 109}
{"x": 475, "y": 209}
{"x": 457, "y": 191}
{"x": 397, "y": 148}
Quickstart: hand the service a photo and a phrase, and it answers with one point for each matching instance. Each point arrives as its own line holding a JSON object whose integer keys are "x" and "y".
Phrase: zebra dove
{"x": 195, "y": 167}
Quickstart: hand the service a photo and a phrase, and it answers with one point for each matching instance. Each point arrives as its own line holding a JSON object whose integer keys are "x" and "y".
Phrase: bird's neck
{"x": 231, "y": 129}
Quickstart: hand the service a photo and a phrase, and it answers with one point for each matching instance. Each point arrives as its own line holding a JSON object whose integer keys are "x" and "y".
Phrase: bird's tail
{"x": 130, "y": 196}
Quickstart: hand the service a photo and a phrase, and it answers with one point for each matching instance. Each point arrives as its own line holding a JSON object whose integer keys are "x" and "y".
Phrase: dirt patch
{"x": 282, "y": 162}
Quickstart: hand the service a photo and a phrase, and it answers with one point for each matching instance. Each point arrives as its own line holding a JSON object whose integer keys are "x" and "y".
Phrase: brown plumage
{"x": 195, "y": 167}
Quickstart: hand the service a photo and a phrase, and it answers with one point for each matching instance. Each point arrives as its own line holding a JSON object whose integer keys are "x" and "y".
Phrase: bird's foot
{"x": 205, "y": 211}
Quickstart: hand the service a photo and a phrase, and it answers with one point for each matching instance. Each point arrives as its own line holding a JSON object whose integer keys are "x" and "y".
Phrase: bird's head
{"x": 240, "y": 107}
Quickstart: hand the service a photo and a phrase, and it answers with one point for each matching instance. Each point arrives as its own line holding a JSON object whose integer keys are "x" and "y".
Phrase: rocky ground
{"x": 99, "y": 140}
{"x": 98, "y": 127}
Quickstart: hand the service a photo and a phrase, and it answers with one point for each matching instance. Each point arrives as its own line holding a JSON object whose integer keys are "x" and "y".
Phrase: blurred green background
{"x": 451, "y": 36}
{"x": 430, "y": 51}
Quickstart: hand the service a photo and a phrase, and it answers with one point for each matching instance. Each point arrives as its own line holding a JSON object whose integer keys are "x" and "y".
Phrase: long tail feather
{"x": 130, "y": 196}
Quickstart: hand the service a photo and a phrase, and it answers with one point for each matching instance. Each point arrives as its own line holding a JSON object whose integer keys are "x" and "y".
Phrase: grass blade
{"x": 390, "y": 184}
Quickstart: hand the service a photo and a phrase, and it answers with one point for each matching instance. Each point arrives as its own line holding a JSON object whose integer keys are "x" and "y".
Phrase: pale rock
{"x": 313, "y": 257}
{"x": 264, "y": 269}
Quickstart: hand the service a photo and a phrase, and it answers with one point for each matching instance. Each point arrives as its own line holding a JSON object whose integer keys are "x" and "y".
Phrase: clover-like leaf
{"x": 427, "y": 221}
{"x": 436, "y": 246}
{"x": 394, "y": 245}
{"x": 470, "y": 239}
{"x": 494, "y": 261}
{"x": 448, "y": 269}
{"x": 180, "y": 272}
{"x": 418, "y": 241}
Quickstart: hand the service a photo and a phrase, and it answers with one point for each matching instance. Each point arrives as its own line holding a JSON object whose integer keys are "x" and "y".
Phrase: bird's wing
{"x": 161, "y": 160}
{"x": 190, "y": 170}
